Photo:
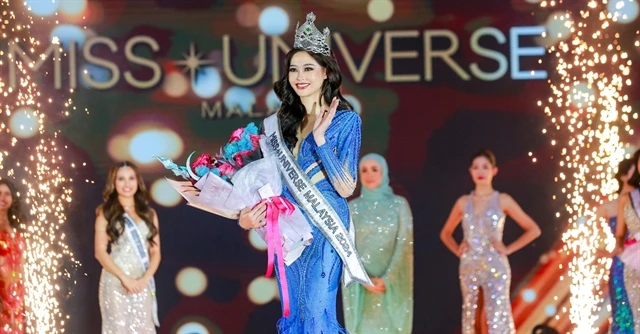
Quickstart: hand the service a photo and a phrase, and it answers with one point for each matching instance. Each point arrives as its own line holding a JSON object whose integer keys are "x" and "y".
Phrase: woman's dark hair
{"x": 15, "y": 213}
{"x": 635, "y": 178}
{"x": 623, "y": 168}
{"x": 544, "y": 329}
{"x": 487, "y": 154}
{"x": 292, "y": 111}
{"x": 113, "y": 210}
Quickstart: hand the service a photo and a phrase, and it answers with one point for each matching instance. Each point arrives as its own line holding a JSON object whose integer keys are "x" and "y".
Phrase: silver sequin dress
{"x": 632, "y": 277}
{"x": 123, "y": 313}
{"x": 482, "y": 267}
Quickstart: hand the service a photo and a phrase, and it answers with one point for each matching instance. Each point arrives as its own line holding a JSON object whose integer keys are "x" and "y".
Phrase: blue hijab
{"x": 384, "y": 189}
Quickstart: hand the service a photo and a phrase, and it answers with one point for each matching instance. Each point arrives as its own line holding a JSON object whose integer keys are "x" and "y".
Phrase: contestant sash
{"x": 318, "y": 209}
{"x": 132, "y": 232}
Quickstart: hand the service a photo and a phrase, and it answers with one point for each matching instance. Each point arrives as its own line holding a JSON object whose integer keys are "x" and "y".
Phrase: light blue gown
{"x": 384, "y": 239}
{"x": 313, "y": 279}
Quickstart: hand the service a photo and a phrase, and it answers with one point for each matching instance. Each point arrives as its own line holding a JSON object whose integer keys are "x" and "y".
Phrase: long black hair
{"x": 113, "y": 210}
{"x": 292, "y": 111}
{"x": 623, "y": 168}
{"x": 635, "y": 178}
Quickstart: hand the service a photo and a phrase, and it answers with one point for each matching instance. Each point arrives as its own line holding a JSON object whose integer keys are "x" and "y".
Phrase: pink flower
{"x": 204, "y": 159}
{"x": 240, "y": 156}
{"x": 255, "y": 140}
{"x": 238, "y": 160}
{"x": 236, "y": 135}
{"x": 226, "y": 169}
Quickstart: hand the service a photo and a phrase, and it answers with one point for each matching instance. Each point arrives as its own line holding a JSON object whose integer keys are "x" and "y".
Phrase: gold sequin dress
{"x": 632, "y": 277}
{"x": 481, "y": 266}
{"x": 123, "y": 313}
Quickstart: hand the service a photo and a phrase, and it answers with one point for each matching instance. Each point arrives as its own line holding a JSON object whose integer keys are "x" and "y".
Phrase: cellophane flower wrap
{"x": 226, "y": 183}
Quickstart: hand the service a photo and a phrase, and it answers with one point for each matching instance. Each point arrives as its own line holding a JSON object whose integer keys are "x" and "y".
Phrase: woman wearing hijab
{"x": 384, "y": 239}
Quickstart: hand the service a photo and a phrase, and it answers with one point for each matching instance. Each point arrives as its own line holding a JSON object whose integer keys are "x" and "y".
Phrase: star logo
{"x": 192, "y": 62}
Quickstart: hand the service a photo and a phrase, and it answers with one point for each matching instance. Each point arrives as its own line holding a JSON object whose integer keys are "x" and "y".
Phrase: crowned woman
{"x": 315, "y": 136}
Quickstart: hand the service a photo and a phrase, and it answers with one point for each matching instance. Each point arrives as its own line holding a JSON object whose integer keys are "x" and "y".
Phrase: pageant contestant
{"x": 485, "y": 274}
{"x": 621, "y": 316}
{"x": 384, "y": 238}
{"x": 129, "y": 226}
{"x": 11, "y": 252}
{"x": 316, "y": 137}
{"x": 629, "y": 225}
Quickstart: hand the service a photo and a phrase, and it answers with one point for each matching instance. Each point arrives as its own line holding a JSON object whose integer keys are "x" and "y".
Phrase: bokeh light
{"x": 274, "y": 21}
{"x": 256, "y": 241}
{"x": 550, "y": 310}
{"x": 272, "y": 101}
{"x": 97, "y": 74}
{"x": 67, "y": 33}
{"x": 262, "y": 290}
{"x": 239, "y": 97}
{"x": 175, "y": 84}
{"x": 42, "y": 7}
{"x": 146, "y": 144}
{"x": 582, "y": 94}
{"x": 191, "y": 281}
{"x": 623, "y": 11}
{"x": 163, "y": 193}
{"x": 24, "y": 123}
{"x": 207, "y": 83}
{"x": 557, "y": 27}
{"x": 529, "y": 295}
{"x": 118, "y": 148}
{"x": 73, "y": 7}
{"x": 357, "y": 107}
{"x": 380, "y": 10}
{"x": 248, "y": 14}
{"x": 192, "y": 328}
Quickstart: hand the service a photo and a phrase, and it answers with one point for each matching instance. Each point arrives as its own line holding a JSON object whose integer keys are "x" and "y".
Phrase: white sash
{"x": 132, "y": 232}
{"x": 320, "y": 212}
{"x": 635, "y": 200}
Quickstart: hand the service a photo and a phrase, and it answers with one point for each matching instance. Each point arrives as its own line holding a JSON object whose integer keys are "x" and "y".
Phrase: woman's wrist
{"x": 242, "y": 227}
{"x": 320, "y": 140}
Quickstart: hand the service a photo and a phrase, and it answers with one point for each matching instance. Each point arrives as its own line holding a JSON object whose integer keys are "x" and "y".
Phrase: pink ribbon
{"x": 276, "y": 205}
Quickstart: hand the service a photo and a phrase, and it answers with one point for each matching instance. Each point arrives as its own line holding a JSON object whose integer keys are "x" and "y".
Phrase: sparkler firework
{"x": 29, "y": 153}
{"x": 590, "y": 118}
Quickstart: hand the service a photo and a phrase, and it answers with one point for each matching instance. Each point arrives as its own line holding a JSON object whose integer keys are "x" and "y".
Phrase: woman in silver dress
{"x": 127, "y": 225}
{"x": 485, "y": 274}
{"x": 627, "y": 231}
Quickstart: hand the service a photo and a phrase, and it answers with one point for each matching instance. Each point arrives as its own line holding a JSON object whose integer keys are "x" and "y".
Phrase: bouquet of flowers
{"x": 245, "y": 174}
{"x": 243, "y": 148}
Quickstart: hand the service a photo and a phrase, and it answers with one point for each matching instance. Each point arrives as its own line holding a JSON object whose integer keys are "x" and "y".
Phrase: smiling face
{"x": 371, "y": 174}
{"x": 306, "y": 76}
{"x": 6, "y": 198}
{"x": 126, "y": 182}
{"x": 482, "y": 171}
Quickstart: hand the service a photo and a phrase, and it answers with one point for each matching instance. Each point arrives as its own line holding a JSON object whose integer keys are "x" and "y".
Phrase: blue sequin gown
{"x": 622, "y": 318}
{"x": 313, "y": 279}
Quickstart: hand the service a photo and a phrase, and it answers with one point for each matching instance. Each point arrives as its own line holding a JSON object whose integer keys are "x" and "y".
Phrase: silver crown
{"x": 309, "y": 38}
